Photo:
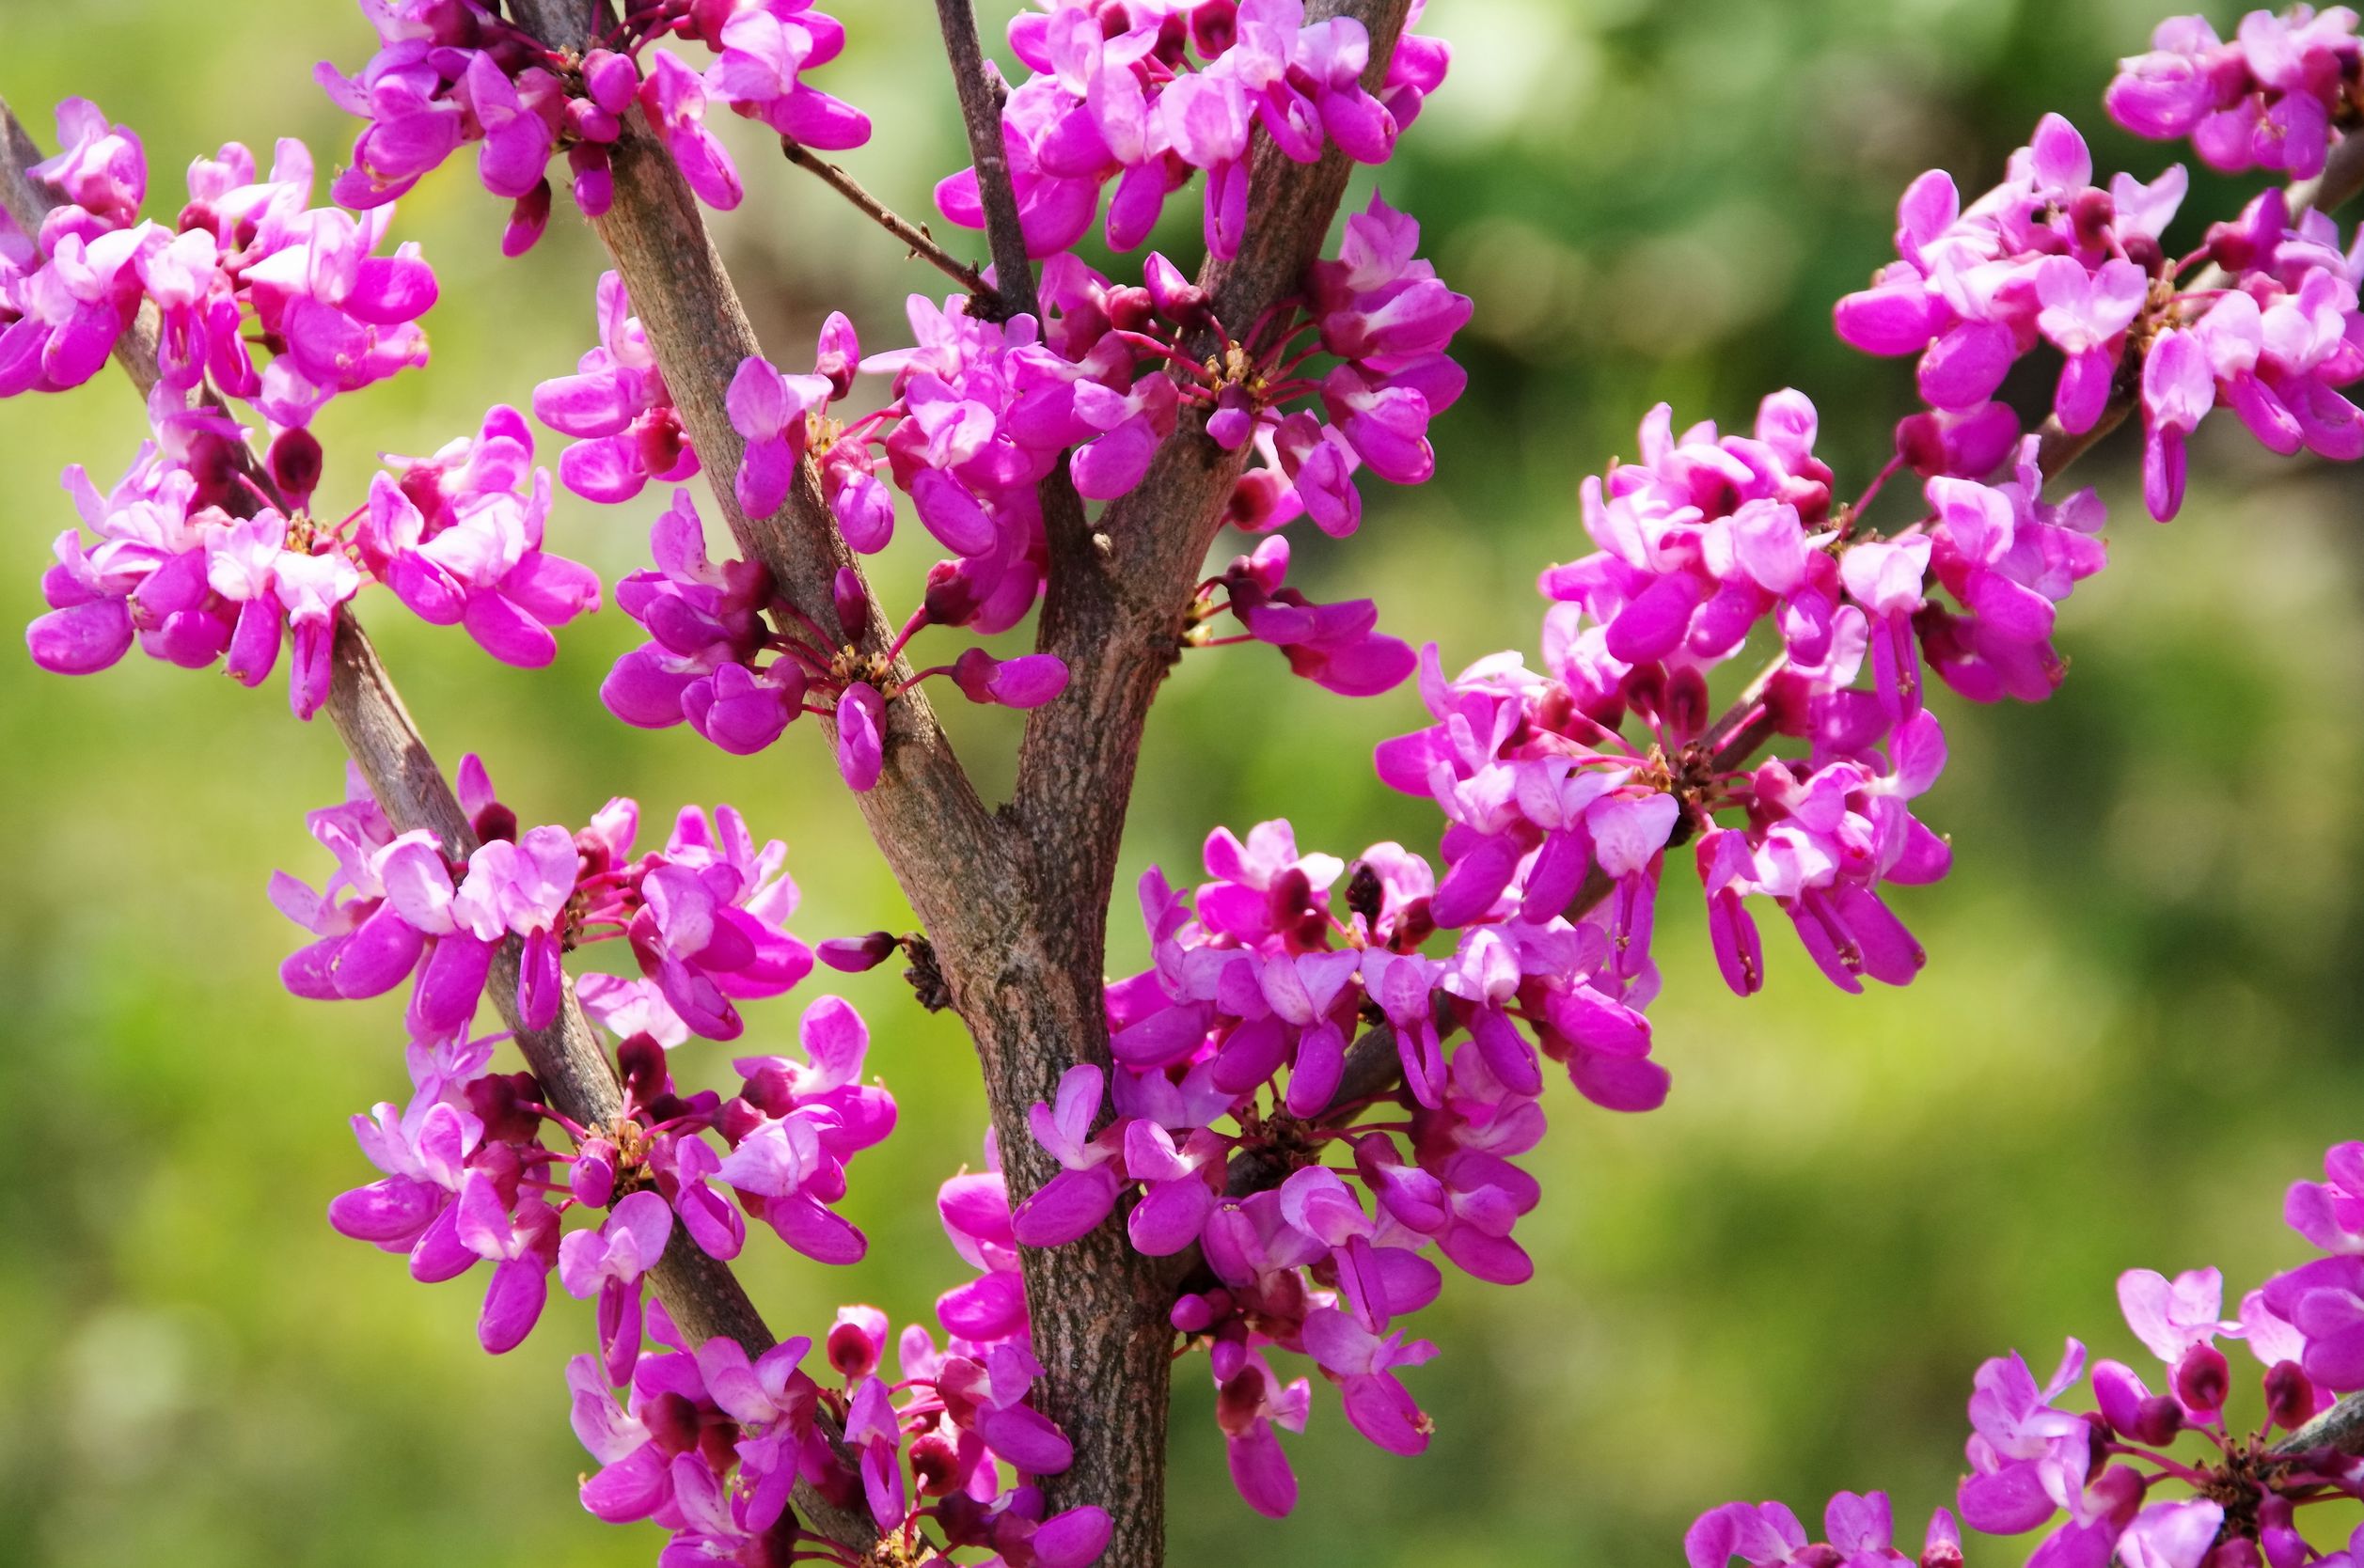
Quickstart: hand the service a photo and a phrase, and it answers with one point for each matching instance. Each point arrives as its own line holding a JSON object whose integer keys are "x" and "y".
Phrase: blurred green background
{"x": 2138, "y": 1024}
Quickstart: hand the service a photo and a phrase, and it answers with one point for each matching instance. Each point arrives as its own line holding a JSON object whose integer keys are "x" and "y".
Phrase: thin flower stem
{"x": 916, "y": 236}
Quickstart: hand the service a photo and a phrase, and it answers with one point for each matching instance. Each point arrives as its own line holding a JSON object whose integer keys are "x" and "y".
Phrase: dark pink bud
{"x": 2202, "y": 1378}
{"x": 2091, "y": 215}
{"x": 952, "y": 598}
{"x": 611, "y": 79}
{"x": 660, "y": 440}
{"x": 1214, "y": 25}
{"x": 840, "y": 351}
{"x": 593, "y": 1182}
{"x": 496, "y": 822}
{"x": 2238, "y": 1552}
{"x": 934, "y": 1462}
{"x": 672, "y": 1422}
{"x": 640, "y": 1060}
{"x": 2290, "y": 1395}
{"x": 1129, "y": 309}
{"x": 2117, "y": 1493}
{"x": 854, "y": 955}
{"x": 296, "y": 462}
{"x": 527, "y": 220}
{"x": 501, "y": 1101}
{"x": 738, "y": 1117}
{"x": 853, "y": 1350}
{"x": 1177, "y": 299}
{"x": 2157, "y": 1419}
{"x": 853, "y": 602}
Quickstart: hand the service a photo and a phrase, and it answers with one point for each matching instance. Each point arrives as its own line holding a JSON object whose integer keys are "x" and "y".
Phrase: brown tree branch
{"x": 703, "y": 1295}
{"x": 1065, "y": 533}
{"x": 981, "y": 115}
{"x": 923, "y": 244}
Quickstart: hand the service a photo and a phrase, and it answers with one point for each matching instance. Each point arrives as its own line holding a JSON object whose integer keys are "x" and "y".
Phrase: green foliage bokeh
{"x": 2137, "y": 1026}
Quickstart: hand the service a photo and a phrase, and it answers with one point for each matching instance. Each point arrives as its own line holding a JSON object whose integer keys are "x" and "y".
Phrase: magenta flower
{"x": 618, "y": 406}
{"x": 1857, "y": 1529}
{"x": 770, "y": 409}
{"x": 2177, "y": 393}
{"x": 764, "y": 50}
{"x": 1073, "y": 1202}
{"x": 522, "y": 1246}
{"x": 1249, "y": 1405}
{"x": 608, "y": 1262}
{"x": 705, "y": 626}
{"x": 676, "y": 100}
{"x": 471, "y": 555}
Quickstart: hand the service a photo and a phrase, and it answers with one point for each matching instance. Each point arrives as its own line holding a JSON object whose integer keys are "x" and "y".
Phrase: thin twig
{"x": 916, "y": 236}
{"x": 981, "y": 115}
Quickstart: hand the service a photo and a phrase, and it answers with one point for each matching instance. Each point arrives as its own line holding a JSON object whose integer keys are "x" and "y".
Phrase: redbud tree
{"x": 1259, "y": 1160}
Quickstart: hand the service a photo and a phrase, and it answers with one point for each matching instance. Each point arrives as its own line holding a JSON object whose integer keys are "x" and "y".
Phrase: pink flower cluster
{"x": 1337, "y": 647}
{"x": 193, "y": 561}
{"x": 709, "y": 625}
{"x": 194, "y": 564}
{"x": 1262, "y": 977}
{"x": 704, "y": 915}
{"x": 188, "y": 579}
{"x": 2048, "y": 257}
{"x": 980, "y": 413}
{"x": 452, "y": 73}
{"x": 248, "y": 262}
{"x": 457, "y": 545}
{"x": 1857, "y": 1531}
{"x": 708, "y": 1443}
{"x": 2107, "y": 1484}
{"x": 705, "y": 1440}
{"x": 1704, "y": 537}
{"x": 2268, "y": 99}
{"x": 628, "y": 430}
{"x": 1148, "y": 95}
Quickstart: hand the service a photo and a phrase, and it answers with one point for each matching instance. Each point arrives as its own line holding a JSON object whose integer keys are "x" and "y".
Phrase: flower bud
{"x": 495, "y": 823}
{"x": 2290, "y": 1395}
{"x": 854, "y": 955}
{"x": 1129, "y": 309}
{"x": 1026, "y": 681}
{"x": 1177, "y": 299}
{"x": 593, "y": 1182}
{"x": 611, "y": 79}
{"x": 934, "y": 1463}
{"x": 589, "y": 122}
{"x": 660, "y": 439}
{"x": 853, "y": 602}
{"x": 527, "y": 220}
{"x": 951, "y": 599}
{"x": 2202, "y": 1378}
{"x": 840, "y": 352}
{"x": 2157, "y": 1419}
{"x": 500, "y": 1100}
{"x": 296, "y": 462}
{"x": 856, "y": 1341}
{"x": 640, "y": 1060}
